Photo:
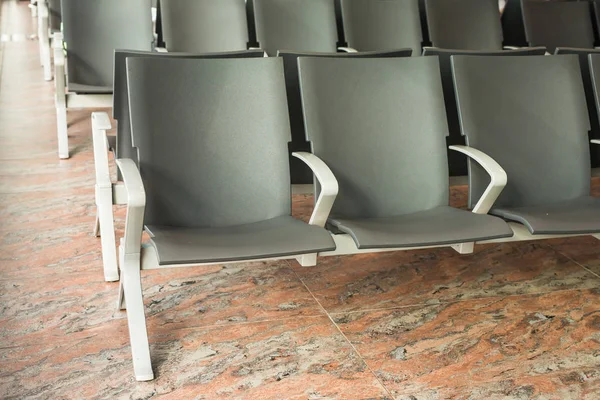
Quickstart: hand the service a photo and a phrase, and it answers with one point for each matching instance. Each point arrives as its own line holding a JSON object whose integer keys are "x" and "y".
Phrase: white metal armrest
{"x": 511, "y": 47}
{"x": 100, "y": 124}
{"x": 595, "y": 141}
{"x": 347, "y": 49}
{"x": 161, "y": 50}
{"x": 136, "y": 203}
{"x": 497, "y": 175}
{"x": 329, "y": 187}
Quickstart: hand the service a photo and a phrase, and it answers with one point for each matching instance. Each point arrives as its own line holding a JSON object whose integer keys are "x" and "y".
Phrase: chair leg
{"x": 307, "y": 260}
{"x": 104, "y": 206}
{"x": 97, "y": 224}
{"x": 464, "y": 248}
{"x": 46, "y": 61}
{"x": 63, "y": 138}
{"x": 121, "y": 304}
{"x": 136, "y": 319}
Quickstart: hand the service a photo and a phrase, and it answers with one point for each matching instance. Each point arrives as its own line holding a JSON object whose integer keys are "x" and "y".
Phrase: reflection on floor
{"x": 512, "y": 321}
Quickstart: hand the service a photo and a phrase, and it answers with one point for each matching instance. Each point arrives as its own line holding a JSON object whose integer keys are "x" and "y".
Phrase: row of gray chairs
{"x": 108, "y": 193}
{"x": 368, "y": 25}
{"x": 209, "y": 181}
{"x": 203, "y": 26}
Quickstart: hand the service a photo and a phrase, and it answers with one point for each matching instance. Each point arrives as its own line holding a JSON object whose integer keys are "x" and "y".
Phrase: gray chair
{"x": 108, "y": 192}
{"x": 589, "y": 95}
{"x": 295, "y": 25}
{"x": 464, "y": 24}
{"x": 213, "y": 184}
{"x": 376, "y": 25}
{"x": 383, "y": 138}
{"x": 200, "y": 26}
{"x": 457, "y": 162}
{"x": 530, "y": 115}
{"x": 300, "y": 172}
{"x": 558, "y": 24}
{"x": 92, "y": 31}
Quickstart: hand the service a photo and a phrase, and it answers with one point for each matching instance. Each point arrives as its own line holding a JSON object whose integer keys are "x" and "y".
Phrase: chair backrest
{"x": 212, "y": 139}
{"x": 54, "y": 14}
{"x": 94, "y": 29}
{"x": 558, "y": 24}
{"x": 464, "y": 24}
{"x": 373, "y": 25}
{"x": 588, "y": 87}
{"x": 529, "y": 114}
{"x": 594, "y": 68}
{"x": 125, "y": 148}
{"x": 380, "y": 125}
{"x": 300, "y": 172}
{"x": 297, "y": 25}
{"x": 457, "y": 161}
{"x": 199, "y": 26}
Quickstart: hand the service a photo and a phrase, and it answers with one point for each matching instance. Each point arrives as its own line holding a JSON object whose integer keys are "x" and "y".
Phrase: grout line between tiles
{"x": 573, "y": 260}
{"x": 343, "y": 335}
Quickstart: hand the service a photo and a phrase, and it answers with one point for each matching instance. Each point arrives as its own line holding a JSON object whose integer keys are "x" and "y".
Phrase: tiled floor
{"x": 512, "y": 321}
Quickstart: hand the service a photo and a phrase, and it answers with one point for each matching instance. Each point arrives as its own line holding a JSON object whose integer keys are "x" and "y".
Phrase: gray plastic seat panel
{"x": 578, "y": 216}
{"x": 94, "y": 29}
{"x": 371, "y": 25}
{"x": 464, "y": 24}
{"x": 457, "y": 161}
{"x": 439, "y": 226}
{"x": 212, "y": 138}
{"x": 124, "y": 147}
{"x": 296, "y": 25}
{"x": 199, "y": 26}
{"x": 301, "y": 174}
{"x": 530, "y": 115}
{"x": 79, "y": 88}
{"x": 278, "y": 237}
{"x": 589, "y": 95}
{"x": 380, "y": 125}
{"x": 558, "y": 24}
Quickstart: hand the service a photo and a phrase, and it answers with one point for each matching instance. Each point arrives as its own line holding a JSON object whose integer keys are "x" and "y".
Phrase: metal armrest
{"x": 161, "y": 50}
{"x": 497, "y": 175}
{"x": 100, "y": 124}
{"x": 595, "y": 141}
{"x": 136, "y": 203}
{"x": 329, "y": 187}
{"x": 511, "y": 47}
{"x": 347, "y": 50}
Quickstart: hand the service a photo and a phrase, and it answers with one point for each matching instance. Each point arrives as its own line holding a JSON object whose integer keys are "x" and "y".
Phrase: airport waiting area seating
{"x": 248, "y": 98}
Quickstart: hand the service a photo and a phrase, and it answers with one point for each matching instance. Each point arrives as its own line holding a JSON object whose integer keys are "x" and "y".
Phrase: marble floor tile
{"x": 301, "y": 358}
{"x": 584, "y": 250}
{"x": 392, "y": 279}
{"x": 522, "y": 347}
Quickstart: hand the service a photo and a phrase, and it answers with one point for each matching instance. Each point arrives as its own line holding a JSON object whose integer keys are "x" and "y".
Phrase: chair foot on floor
{"x": 307, "y": 260}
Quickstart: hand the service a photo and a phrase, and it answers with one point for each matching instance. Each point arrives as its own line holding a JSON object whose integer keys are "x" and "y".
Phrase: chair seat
{"x": 438, "y": 226}
{"x": 578, "y": 216}
{"x": 112, "y": 142}
{"x": 88, "y": 89}
{"x": 277, "y": 237}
